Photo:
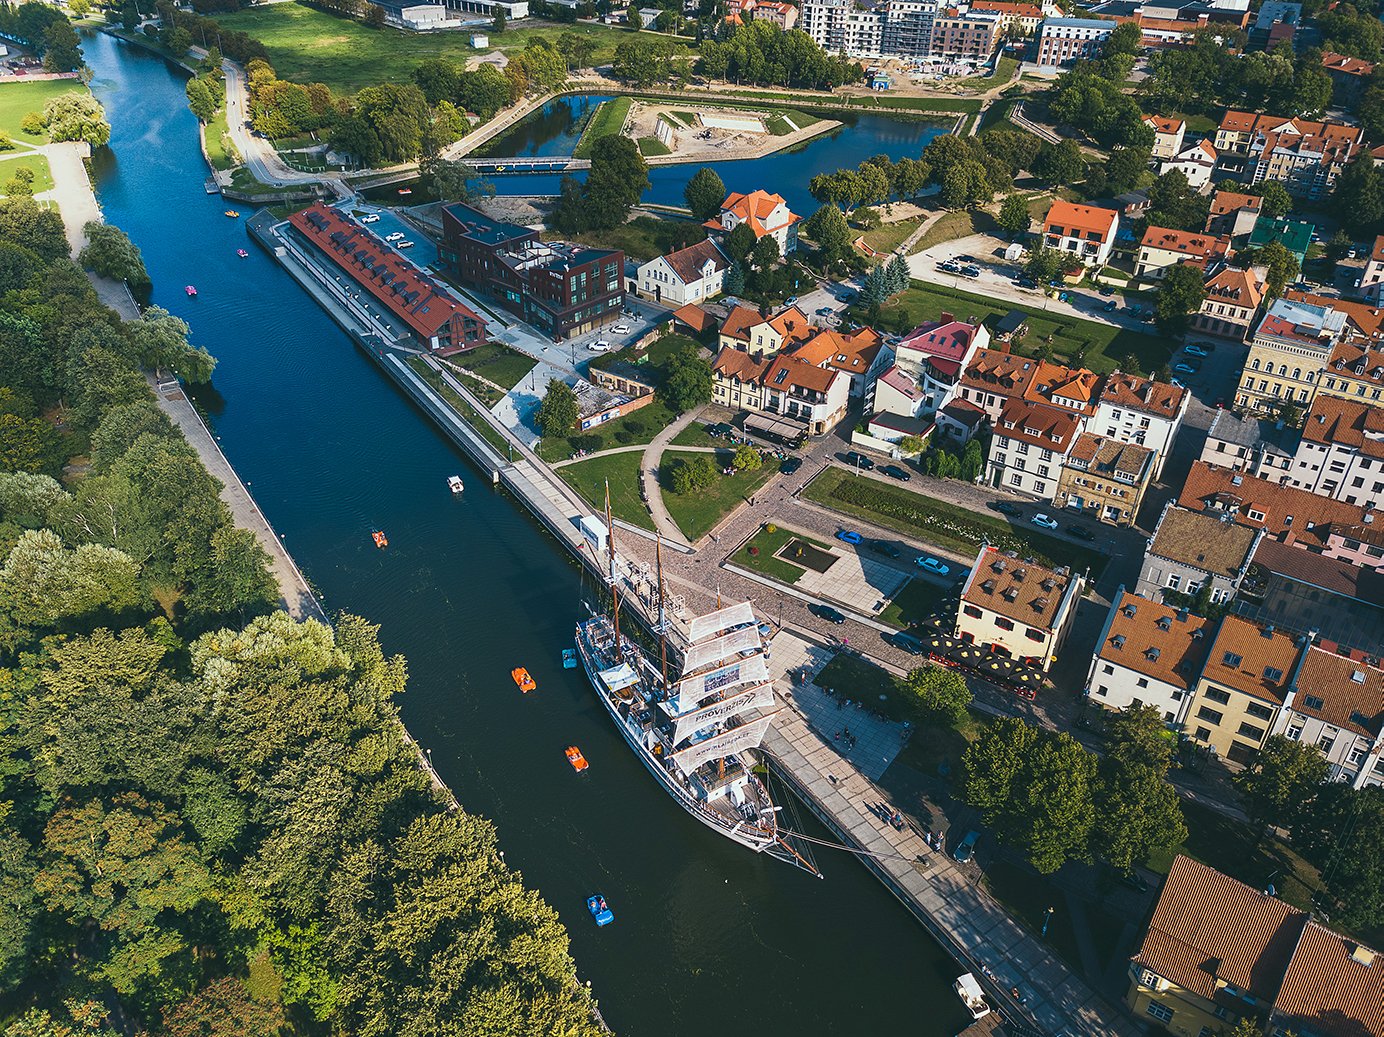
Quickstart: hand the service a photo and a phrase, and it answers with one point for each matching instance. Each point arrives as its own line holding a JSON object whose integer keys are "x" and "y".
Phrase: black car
{"x": 1081, "y": 533}
{"x": 884, "y": 547}
{"x": 907, "y": 642}
{"x": 826, "y": 612}
{"x": 895, "y": 472}
{"x": 857, "y": 460}
{"x": 1005, "y": 508}
{"x": 1026, "y": 282}
{"x": 789, "y": 465}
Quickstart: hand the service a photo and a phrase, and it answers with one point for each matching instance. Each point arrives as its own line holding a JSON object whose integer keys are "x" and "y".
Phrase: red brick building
{"x": 436, "y": 319}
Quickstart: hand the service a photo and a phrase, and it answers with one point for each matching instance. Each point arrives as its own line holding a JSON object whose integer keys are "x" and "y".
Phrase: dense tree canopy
{"x": 760, "y": 53}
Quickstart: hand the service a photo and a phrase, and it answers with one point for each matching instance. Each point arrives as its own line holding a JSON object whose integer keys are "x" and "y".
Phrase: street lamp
{"x": 1046, "y": 919}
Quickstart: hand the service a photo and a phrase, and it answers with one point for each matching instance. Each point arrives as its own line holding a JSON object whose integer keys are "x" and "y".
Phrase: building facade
{"x": 1160, "y": 249}
{"x": 1167, "y": 135}
{"x": 1083, "y": 231}
{"x": 1016, "y": 608}
{"x": 1190, "y": 550}
{"x": 692, "y": 274}
{"x": 1030, "y": 445}
{"x": 1306, "y": 157}
{"x": 1149, "y": 654}
{"x": 1142, "y": 411}
{"x": 766, "y": 214}
{"x": 1289, "y": 349}
{"x": 958, "y": 33}
{"x": 1341, "y": 453}
{"x": 1065, "y": 41}
{"x": 1231, "y": 305}
{"x": 1104, "y": 479}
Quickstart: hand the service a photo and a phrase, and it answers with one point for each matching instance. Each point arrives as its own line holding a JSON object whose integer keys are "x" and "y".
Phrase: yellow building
{"x": 1243, "y": 686}
{"x": 1289, "y": 351}
{"x": 747, "y": 330}
{"x": 1016, "y": 608}
{"x": 1218, "y": 951}
{"x": 1105, "y": 479}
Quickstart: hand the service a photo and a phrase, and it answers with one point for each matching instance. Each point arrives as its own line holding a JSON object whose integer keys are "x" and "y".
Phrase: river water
{"x": 555, "y": 128}
{"x": 708, "y": 937}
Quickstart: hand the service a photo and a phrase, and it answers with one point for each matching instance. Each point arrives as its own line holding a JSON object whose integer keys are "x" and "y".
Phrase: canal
{"x": 708, "y": 937}
{"x": 555, "y": 128}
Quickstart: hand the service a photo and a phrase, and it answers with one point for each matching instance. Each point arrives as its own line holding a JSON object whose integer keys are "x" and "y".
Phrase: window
{"x": 1102, "y": 691}
{"x": 1294, "y": 733}
{"x": 1107, "y": 668}
{"x": 1004, "y": 624}
{"x": 1044, "y": 471}
{"x": 1210, "y": 715}
{"x": 1160, "y": 1012}
{"x": 1312, "y": 702}
{"x": 1250, "y": 731}
{"x": 1040, "y": 487}
{"x": 1034, "y": 635}
{"x": 1326, "y": 741}
{"x": 972, "y": 611}
{"x": 1232, "y": 660}
{"x": 1174, "y": 580}
{"x": 1016, "y": 479}
{"x": 1259, "y": 711}
{"x": 1143, "y": 682}
{"x": 1203, "y": 734}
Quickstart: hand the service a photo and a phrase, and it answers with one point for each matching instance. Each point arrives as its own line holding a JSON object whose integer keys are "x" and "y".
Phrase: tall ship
{"x": 696, "y": 725}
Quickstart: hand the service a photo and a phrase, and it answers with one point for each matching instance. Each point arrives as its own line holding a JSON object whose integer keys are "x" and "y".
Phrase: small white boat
{"x": 972, "y": 996}
{"x": 454, "y": 483}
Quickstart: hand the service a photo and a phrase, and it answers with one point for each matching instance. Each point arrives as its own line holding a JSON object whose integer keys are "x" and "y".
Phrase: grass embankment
{"x": 1085, "y": 343}
{"x": 19, "y": 99}
{"x": 220, "y": 152}
{"x": 631, "y": 430}
{"x": 311, "y": 46}
{"x": 1002, "y": 73}
{"x": 652, "y": 147}
{"x": 621, "y": 473}
{"x": 641, "y": 239}
{"x": 760, "y": 554}
{"x": 781, "y": 123}
{"x": 699, "y": 512}
{"x": 889, "y": 236}
{"x": 946, "y": 525}
{"x": 497, "y": 363}
{"x": 469, "y": 413}
{"x": 696, "y": 434}
{"x": 606, "y": 121}
{"x": 11, "y": 161}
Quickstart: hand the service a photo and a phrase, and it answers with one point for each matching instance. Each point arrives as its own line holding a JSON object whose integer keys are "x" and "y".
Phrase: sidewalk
{"x": 648, "y": 473}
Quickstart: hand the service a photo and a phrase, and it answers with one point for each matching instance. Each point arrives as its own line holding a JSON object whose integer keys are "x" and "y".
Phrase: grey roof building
{"x": 1192, "y": 549}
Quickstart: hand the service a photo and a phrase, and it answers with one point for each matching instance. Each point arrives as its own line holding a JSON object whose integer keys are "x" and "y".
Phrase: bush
{"x": 771, "y": 528}
{"x": 32, "y": 123}
{"x": 698, "y": 474}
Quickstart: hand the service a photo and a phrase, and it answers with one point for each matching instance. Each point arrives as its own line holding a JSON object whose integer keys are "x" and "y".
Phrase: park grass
{"x": 497, "y": 363}
{"x": 1075, "y": 341}
{"x": 945, "y": 525}
{"x": 43, "y": 176}
{"x": 916, "y": 600}
{"x": 215, "y": 134}
{"x": 621, "y": 471}
{"x": 310, "y": 46}
{"x": 696, "y": 434}
{"x": 469, "y": 414}
{"x": 699, "y": 512}
{"x": 889, "y": 236}
{"x": 1002, "y": 73}
{"x": 607, "y": 120}
{"x": 766, "y": 561}
{"x": 954, "y": 225}
{"x": 651, "y": 147}
{"x": 19, "y": 99}
{"x": 631, "y": 430}
{"x": 641, "y": 239}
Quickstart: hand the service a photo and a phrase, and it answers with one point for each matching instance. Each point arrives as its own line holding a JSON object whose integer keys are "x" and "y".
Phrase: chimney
{"x": 945, "y": 318}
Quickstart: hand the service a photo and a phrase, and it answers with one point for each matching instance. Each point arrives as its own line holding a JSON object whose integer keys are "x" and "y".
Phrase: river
{"x": 555, "y": 128}
{"x": 708, "y": 937}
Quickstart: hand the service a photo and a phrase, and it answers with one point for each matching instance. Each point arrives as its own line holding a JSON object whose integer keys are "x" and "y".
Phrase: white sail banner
{"x": 750, "y": 698}
{"x": 711, "y": 652}
{"x": 724, "y": 619}
{"x": 619, "y": 677}
{"x": 747, "y": 736}
{"x": 693, "y": 690}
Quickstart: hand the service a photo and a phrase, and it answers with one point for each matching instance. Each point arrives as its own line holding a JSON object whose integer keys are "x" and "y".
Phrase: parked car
{"x": 1134, "y": 881}
{"x": 621, "y": 329}
{"x": 968, "y": 260}
{"x": 966, "y": 849}
{"x": 857, "y": 460}
{"x": 398, "y": 235}
{"x": 932, "y": 565}
{"x": 850, "y": 536}
{"x": 1197, "y": 350}
{"x": 370, "y": 217}
{"x": 884, "y": 547}
{"x": 907, "y": 642}
{"x": 895, "y": 472}
{"x": 1186, "y": 367}
{"x": 791, "y": 300}
{"x": 599, "y": 346}
{"x": 970, "y": 271}
{"x": 1005, "y": 508}
{"x": 826, "y": 612}
{"x": 1046, "y": 521}
{"x": 1106, "y": 290}
{"x": 1110, "y": 306}
{"x": 1026, "y": 282}
{"x": 404, "y": 244}
{"x": 1081, "y": 533}
{"x": 825, "y": 311}
{"x": 789, "y": 465}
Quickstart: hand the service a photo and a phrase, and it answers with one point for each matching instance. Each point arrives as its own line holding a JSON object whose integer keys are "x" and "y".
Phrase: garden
{"x": 946, "y": 525}
{"x": 496, "y": 363}
{"x": 761, "y": 553}
{"x": 618, "y": 471}
{"x": 699, "y": 505}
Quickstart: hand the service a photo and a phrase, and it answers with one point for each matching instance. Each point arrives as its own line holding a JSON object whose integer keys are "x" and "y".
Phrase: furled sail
{"x": 751, "y": 698}
{"x": 723, "y": 619}
{"x": 728, "y": 647}
{"x": 724, "y": 679}
{"x": 747, "y": 736}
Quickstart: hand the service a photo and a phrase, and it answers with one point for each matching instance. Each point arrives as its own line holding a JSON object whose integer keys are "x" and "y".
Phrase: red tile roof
{"x": 1255, "y": 659}
{"x": 1142, "y": 394}
{"x": 851, "y": 352}
{"x": 687, "y": 262}
{"x": 1238, "y": 287}
{"x": 694, "y": 317}
{"x": 1351, "y": 692}
{"x": 1151, "y": 638}
{"x": 997, "y": 371}
{"x": 1333, "y": 62}
{"x": 1072, "y": 217}
{"x": 1201, "y": 247}
{"x": 1334, "y": 987}
{"x": 1161, "y": 124}
{"x": 755, "y": 208}
{"x": 1038, "y": 424}
{"x": 1333, "y": 420}
{"x": 1208, "y": 488}
{"x": 1223, "y": 202}
{"x": 739, "y": 321}
{"x": 739, "y": 365}
{"x": 1023, "y": 591}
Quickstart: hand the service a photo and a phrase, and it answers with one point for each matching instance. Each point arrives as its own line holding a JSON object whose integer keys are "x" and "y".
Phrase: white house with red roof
{"x": 1196, "y": 162}
{"x": 1167, "y": 135}
{"x": 1030, "y": 445}
{"x": 766, "y": 214}
{"x": 691, "y": 274}
{"x": 927, "y": 367}
{"x": 1372, "y": 280}
{"x": 1083, "y": 231}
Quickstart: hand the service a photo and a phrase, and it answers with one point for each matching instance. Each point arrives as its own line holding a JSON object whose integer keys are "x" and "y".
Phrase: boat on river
{"x": 576, "y": 759}
{"x": 242, "y": 253}
{"x": 696, "y": 728}
{"x": 381, "y": 541}
{"x": 599, "y": 909}
{"x": 233, "y": 213}
{"x": 191, "y": 291}
{"x": 522, "y": 679}
{"x": 454, "y": 483}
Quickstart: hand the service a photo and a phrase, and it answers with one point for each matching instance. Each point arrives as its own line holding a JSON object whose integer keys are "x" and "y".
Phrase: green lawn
{"x": 18, "y": 99}
{"x": 1003, "y": 73}
{"x": 945, "y": 525}
{"x": 1084, "y": 343}
{"x": 890, "y": 236}
{"x": 917, "y": 600}
{"x": 631, "y": 430}
{"x": 306, "y": 45}
{"x": 496, "y": 362}
{"x": 652, "y": 147}
{"x": 220, "y": 150}
{"x": 955, "y": 225}
{"x": 474, "y": 418}
{"x": 698, "y": 513}
{"x": 589, "y": 478}
{"x": 641, "y": 238}
{"x": 607, "y": 120}
{"x": 10, "y": 161}
{"x": 696, "y": 434}
{"x": 764, "y": 558}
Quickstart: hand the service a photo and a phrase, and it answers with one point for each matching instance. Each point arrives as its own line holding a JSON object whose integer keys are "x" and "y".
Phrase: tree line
{"x": 760, "y": 53}
{"x": 46, "y": 30}
{"x": 213, "y": 824}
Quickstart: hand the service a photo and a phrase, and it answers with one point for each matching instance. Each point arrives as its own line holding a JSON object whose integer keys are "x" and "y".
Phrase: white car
{"x": 599, "y": 346}
{"x": 370, "y": 217}
{"x": 405, "y": 244}
{"x": 1043, "y": 520}
{"x": 398, "y": 235}
{"x": 621, "y": 329}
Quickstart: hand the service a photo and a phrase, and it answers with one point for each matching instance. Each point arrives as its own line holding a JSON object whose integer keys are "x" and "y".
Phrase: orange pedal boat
{"x": 522, "y": 678}
{"x": 380, "y": 539}
{"x": 576, "y": 759}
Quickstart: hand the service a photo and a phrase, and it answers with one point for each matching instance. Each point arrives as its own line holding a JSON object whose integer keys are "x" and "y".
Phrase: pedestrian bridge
{"x": 550, "y": 164}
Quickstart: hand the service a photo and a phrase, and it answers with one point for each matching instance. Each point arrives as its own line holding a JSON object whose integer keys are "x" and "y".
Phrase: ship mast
{"x": 610, "y": 554}
{"x": 662, "y": 618}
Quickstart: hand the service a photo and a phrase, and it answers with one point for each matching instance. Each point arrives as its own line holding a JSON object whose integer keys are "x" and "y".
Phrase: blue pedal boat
{"x": 596, "y": 904}
{"x": 569, "y": 658}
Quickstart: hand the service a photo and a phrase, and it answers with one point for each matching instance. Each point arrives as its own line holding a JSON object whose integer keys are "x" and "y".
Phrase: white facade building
{"x": 1141, "y": 411}
{"x": 871, "y": 29}
{"x": 1148, "y": 655}
{"x": 692, "y": 274}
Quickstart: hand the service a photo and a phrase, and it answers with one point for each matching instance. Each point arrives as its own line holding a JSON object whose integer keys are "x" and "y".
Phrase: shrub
{"x": 32, "y": 123}
{"x": 771, "y": 528}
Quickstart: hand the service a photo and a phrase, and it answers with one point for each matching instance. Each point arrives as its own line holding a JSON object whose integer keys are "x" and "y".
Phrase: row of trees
{"x": 212, "y": 820}
{"x": 761, "y": 53}
{"x": 1207, "y": 74}
{"x": 873, "y": 182}
{"x": 484, "y": 91}
{"x": 45, "y": 29}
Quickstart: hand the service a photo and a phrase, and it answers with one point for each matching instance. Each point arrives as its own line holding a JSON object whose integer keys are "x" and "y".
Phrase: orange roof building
{"x": 1017, "y": 608}
{"x": 1162, "y": 248}
{"x": 766, "y": 214}
{"x": 1084, "y": 231}
{"x": 1305, "y": 156}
